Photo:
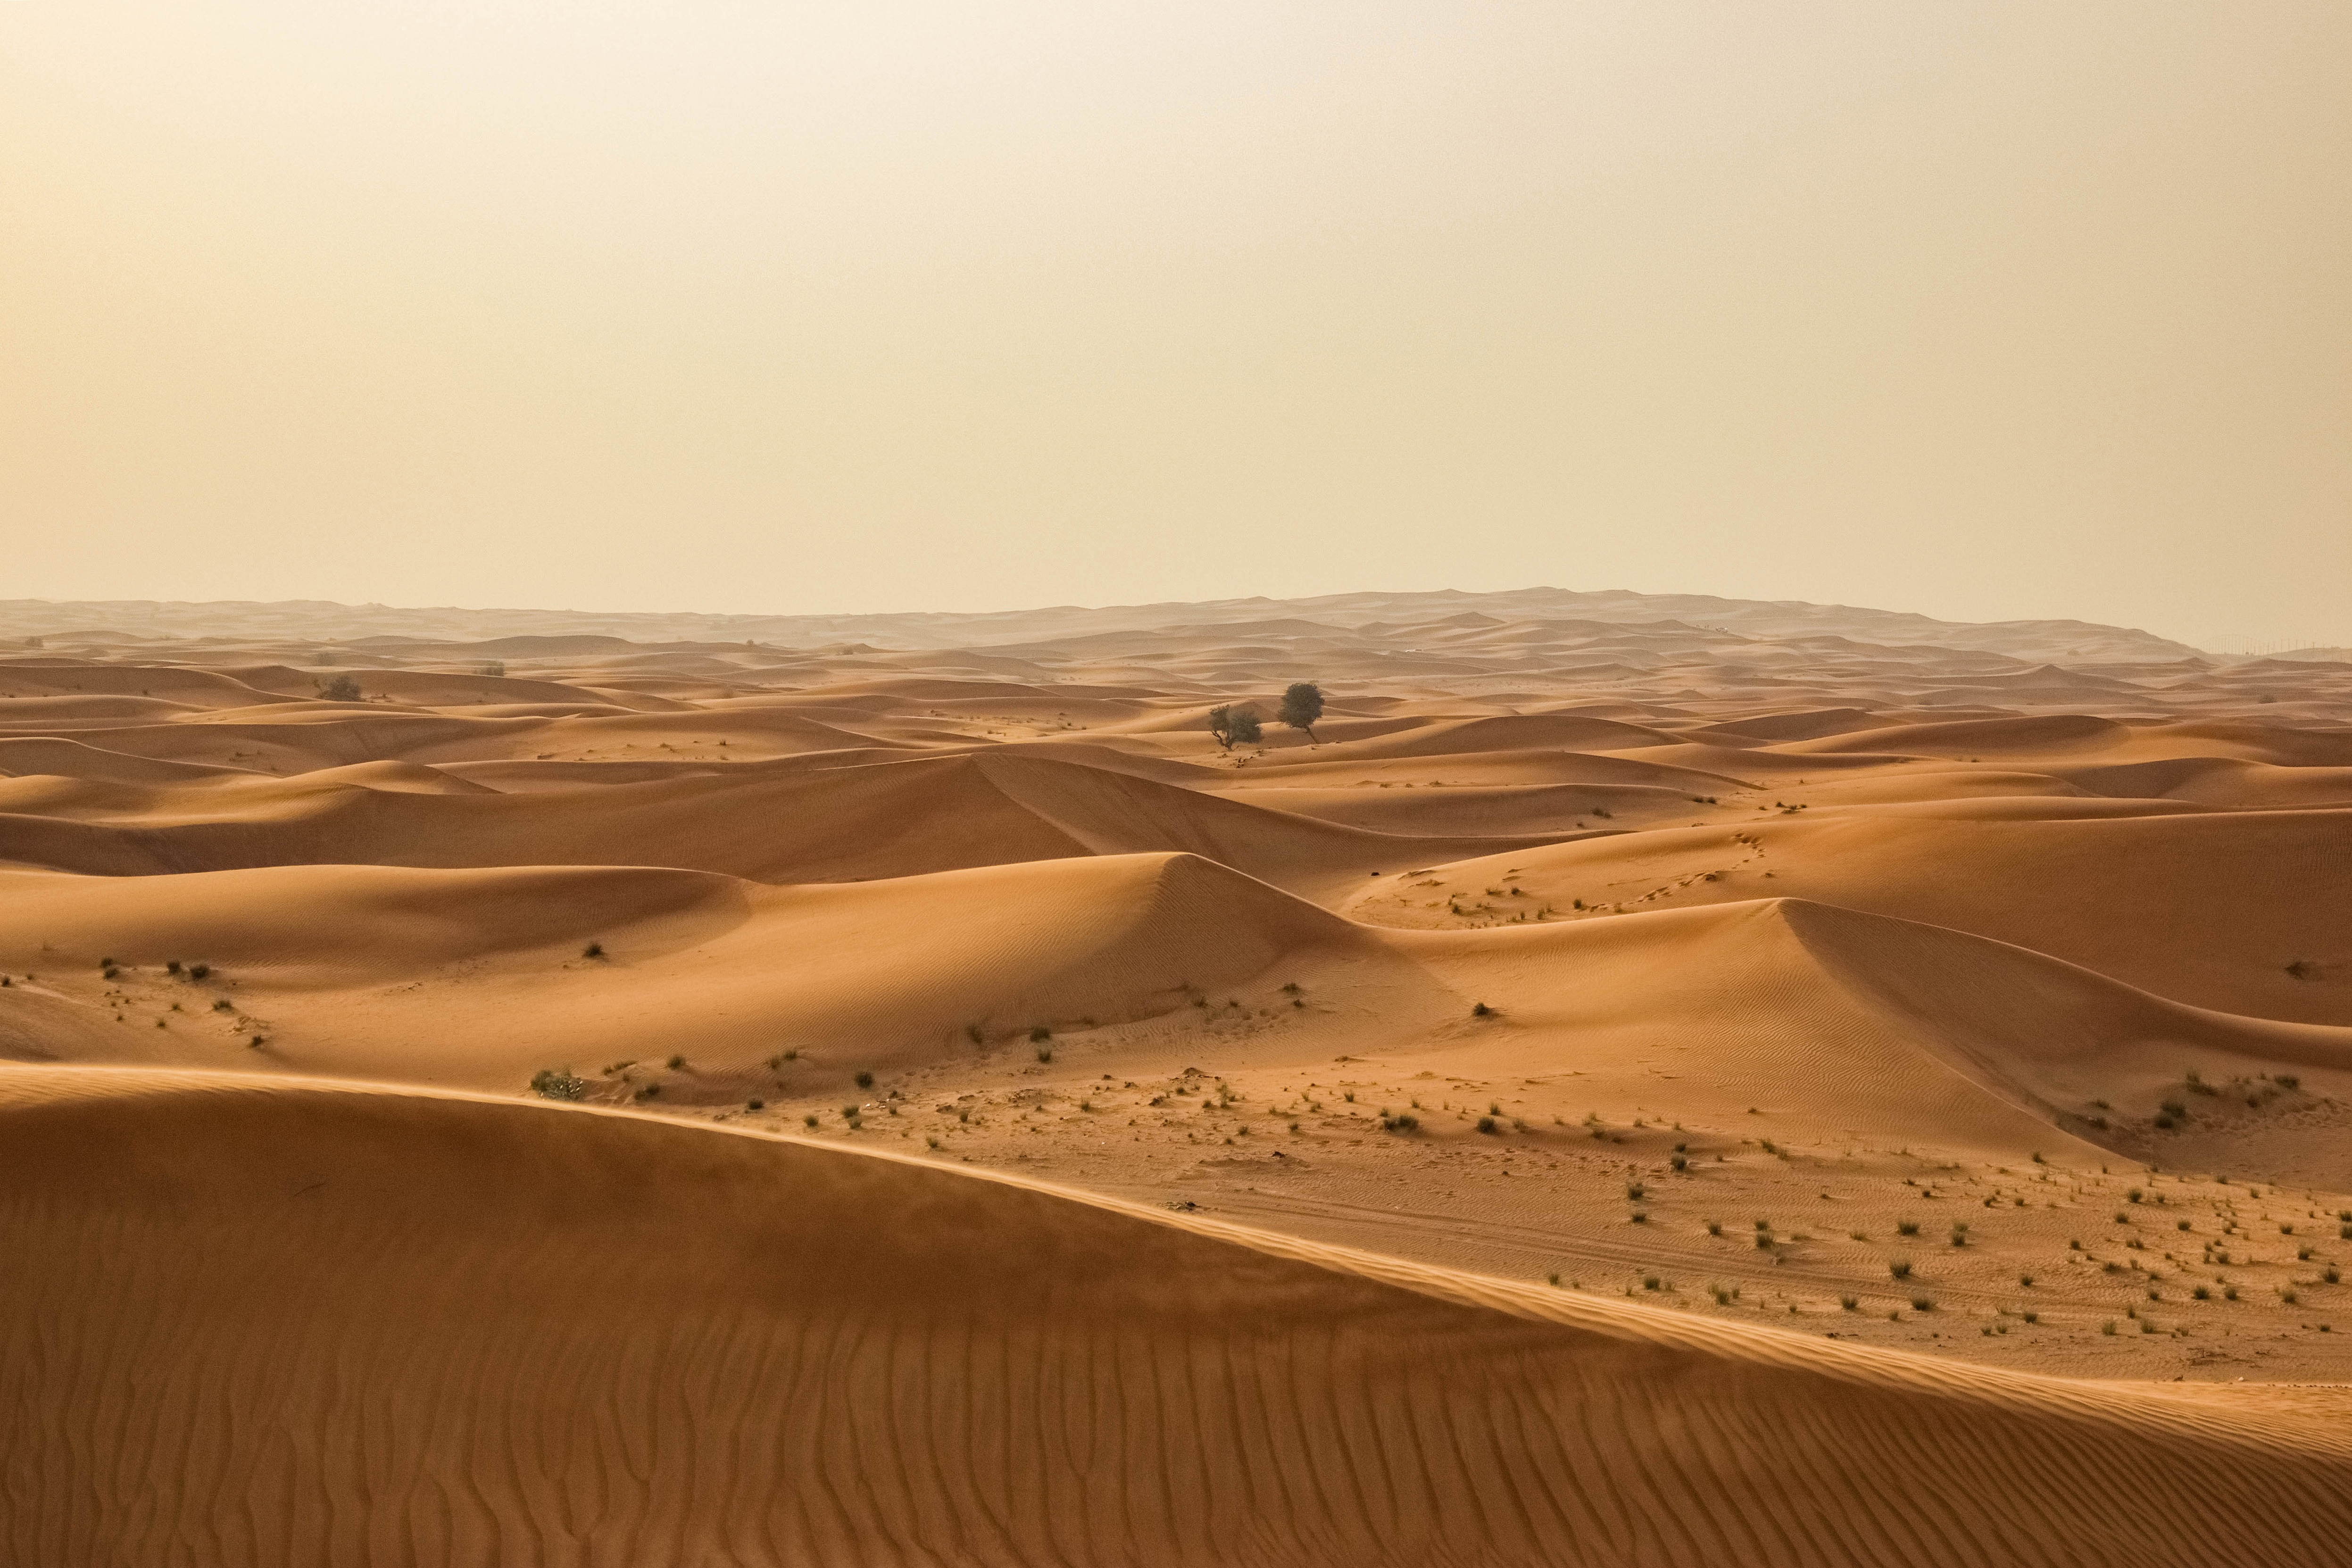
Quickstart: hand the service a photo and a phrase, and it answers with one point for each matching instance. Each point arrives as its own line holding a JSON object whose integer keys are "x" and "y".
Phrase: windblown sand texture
{"x": 1645, "y": 1081}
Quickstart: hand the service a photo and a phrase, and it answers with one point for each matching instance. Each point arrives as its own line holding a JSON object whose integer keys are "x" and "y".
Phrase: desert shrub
{"x": 1041, "y": 1032}
{"x": 1923, "y": 1303}
{"x": 1906, "y": 1228}
{"x": 1488, "y": 1124}
{"x": 1480, "y": 1010}
{"x": 558, "y": 1084}
{"x": 810, "y": 1119}
{"x": 755, "y": 1104}
{"x": 1400, "y": 1121}
{"x": 675, "y": 1062}
{"x": 1235, "y": 725}
{"x": 341, "y": 689}
{"x": 1633, "y": 1190}
{"x": 1850, "y": 1303}
{"x": 1045, "y": 1053}
{"x": 864, "y": 1079}
{"x": 594, "y": 950}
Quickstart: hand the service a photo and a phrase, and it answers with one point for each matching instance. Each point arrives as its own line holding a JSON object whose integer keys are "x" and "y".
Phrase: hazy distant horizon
{"x": 1017, "y": 610}
{"x": 1986, "y": 311}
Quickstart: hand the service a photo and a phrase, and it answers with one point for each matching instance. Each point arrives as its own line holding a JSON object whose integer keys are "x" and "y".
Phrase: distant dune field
{"x": 1672, "y": 1082}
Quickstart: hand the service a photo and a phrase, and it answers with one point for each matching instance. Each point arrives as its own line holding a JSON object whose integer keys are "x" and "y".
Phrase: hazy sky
{"x": 1983, "y": 310}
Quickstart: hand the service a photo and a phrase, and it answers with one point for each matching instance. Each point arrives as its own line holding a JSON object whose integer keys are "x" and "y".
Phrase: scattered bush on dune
{"x": 558, "y": 1084}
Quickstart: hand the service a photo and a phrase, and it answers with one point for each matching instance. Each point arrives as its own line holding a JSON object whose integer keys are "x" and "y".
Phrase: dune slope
{"x": 262, "y": 1325}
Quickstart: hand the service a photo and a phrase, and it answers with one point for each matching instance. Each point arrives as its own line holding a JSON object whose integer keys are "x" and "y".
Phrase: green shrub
{"x": 557, "y": 1083}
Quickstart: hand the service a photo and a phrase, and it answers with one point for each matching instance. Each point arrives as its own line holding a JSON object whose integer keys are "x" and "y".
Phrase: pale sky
{"x": 1982, "y": 311}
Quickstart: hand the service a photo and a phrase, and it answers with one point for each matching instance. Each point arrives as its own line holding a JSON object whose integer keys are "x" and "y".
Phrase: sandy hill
{"x": 1641, "y": 1079}
{"x": 573, "y": 1335}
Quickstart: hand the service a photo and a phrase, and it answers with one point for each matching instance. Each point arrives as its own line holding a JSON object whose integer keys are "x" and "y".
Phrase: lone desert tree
{"x": 341, "y": 689}
{"x": 1230, "y": 724}
{"x": 1302, "y": 704}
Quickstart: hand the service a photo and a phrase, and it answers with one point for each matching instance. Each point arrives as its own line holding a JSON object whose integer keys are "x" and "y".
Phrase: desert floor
{"x": 1628, "y": 1086}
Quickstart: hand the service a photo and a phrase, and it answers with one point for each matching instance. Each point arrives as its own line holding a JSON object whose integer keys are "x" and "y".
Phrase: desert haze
{"x": 1630, "y": 1079}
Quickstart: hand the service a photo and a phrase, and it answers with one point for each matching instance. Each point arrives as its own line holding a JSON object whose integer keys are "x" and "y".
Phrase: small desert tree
{"x": 1302, "y": 704}
{"x": 1234, "y": 726}
{"x": 341, "y": 689}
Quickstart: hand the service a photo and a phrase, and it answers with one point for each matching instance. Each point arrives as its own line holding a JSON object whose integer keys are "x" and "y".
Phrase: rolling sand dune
{"x": 843, "y": 824}
{"x": 272, "y": 1325}
{"x": 1646, "y": 1081}
{"x": 2245, "y": 894}
{"x": 477, "y": 978}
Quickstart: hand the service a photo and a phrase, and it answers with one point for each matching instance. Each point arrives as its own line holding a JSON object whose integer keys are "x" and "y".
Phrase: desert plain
{"x": 1638, "y": 1080}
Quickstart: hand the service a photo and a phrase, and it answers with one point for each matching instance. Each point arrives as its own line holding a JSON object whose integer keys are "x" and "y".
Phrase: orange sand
{"x": 1879, "y": 1092}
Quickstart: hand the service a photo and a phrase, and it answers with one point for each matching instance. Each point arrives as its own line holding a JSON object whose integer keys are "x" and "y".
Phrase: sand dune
{"x": 1646, "y": 1080}
{"x": 477, "y": 978}
{"x": 493, "y": 1330}
{"x": 841, "y": 824}
{"x": 2245, "y": 895}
